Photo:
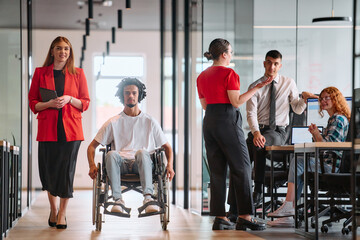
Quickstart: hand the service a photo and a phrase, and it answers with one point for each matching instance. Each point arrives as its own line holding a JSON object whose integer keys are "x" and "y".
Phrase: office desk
{"x": 283, "y": 149}
{"x": 307, "y": 149}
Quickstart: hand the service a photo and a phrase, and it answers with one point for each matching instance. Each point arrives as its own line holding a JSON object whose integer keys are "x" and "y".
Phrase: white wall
{"x": 145, "y": 43}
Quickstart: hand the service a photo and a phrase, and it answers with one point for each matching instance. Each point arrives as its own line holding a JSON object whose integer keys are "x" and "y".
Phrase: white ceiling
{"x": 67, "y": 14}
{"x": 145, "y": 14}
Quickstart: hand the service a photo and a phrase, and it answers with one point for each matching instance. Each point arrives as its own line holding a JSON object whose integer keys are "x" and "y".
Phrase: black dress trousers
{"x": 226, "y": 146}
{"x": 273, "y": 137}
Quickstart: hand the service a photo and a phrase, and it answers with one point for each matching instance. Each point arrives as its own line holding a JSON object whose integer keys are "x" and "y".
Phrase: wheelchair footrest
{"x": 150, "y": 214}
{"x": 127, "y": 210}
{"x": 142, "y": 208}
{"x": 119, "y": 214}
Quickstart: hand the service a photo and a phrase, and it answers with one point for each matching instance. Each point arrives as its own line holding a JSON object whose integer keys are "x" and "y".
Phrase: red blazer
{"x": 76, "y": 86}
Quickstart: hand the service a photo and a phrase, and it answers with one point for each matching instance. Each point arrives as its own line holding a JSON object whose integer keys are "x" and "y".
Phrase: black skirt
{"x": 57, "y": 163}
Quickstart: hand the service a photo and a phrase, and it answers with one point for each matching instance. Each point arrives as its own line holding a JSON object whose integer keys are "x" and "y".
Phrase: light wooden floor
{"x": 183, "y": 224}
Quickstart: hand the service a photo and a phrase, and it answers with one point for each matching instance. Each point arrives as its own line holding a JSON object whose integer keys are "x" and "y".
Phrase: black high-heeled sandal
{"x": 62, "y": 226}
{"x": 51, "y": 224}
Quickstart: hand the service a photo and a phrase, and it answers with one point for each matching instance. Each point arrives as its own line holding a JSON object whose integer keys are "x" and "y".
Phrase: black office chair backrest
{"x": 345, "y": 165}
{"x": 294, "y": 120}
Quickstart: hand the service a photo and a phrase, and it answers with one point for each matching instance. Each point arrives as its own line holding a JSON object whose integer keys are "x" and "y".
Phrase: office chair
{"x": 337, "y": 186}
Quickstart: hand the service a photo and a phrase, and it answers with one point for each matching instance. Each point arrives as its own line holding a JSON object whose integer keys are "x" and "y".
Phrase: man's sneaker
{"x": 150, "y": 208}
{"x": 282, "y": 222}
{"x": 285, "y": 210}
{"x": 117, "y": 208}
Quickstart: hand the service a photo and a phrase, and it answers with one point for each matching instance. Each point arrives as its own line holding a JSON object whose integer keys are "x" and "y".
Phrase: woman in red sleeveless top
{"x": 219, "y": 93}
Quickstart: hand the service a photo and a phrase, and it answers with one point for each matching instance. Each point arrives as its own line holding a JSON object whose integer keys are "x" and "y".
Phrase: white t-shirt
{"x": 129, "y": 134}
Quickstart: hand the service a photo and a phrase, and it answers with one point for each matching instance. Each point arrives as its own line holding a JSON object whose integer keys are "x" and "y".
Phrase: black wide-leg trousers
{"x": 225, "y": 146}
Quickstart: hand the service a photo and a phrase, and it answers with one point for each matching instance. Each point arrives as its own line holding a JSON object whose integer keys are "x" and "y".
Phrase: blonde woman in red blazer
{"x": 59, "y": 124}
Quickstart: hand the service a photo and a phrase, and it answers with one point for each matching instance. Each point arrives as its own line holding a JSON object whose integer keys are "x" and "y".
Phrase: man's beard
{"x": 130, "y": 105}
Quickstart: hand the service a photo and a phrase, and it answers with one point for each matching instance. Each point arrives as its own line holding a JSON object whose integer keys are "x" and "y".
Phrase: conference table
{"x": 307, "y": 149}
{"x": 273, "y": 150}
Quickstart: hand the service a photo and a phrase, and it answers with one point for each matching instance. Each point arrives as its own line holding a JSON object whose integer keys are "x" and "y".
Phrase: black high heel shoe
{"x": 221, "y": 224}
{"x": 51, "y": 224}
{"x": 62, "y": 226}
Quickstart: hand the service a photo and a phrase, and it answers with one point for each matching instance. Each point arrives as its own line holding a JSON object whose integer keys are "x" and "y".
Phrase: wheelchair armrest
{"x": 105, "y": 149}
{"x": 157, "y": 150}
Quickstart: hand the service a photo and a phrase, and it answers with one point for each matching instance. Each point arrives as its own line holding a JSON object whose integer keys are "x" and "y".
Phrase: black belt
{"x": 263, "y": 126}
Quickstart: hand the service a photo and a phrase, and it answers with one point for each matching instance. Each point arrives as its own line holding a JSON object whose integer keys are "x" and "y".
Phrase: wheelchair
{"x": 129, "y": 182}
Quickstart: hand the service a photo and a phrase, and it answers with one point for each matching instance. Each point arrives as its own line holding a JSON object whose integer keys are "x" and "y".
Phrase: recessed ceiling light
{"x": 107, "y": 3}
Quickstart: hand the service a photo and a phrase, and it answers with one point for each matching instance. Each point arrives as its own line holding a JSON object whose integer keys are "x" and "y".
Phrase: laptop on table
{"x": 301, "y": 134}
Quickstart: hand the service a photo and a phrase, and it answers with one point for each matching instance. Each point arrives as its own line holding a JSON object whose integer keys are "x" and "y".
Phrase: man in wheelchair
{"x": 132, "y": 135}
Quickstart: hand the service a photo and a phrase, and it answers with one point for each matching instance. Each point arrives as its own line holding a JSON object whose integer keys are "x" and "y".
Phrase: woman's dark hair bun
{"x": 208, "y": 56}
{"x": 217, "y": 47}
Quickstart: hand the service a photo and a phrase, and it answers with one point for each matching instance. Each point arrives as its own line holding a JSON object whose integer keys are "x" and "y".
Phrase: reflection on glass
{"x": 10, "y": 68}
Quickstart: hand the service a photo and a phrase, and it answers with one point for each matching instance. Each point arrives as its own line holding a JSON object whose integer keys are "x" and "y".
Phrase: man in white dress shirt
{"x": 258, "y": 116}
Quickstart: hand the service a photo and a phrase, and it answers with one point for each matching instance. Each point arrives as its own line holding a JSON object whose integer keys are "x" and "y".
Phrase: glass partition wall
{"x": 324, "y": 50}
{"x": 10, "y": 68}
{"x": 315, "y": 55}
{"x": 218, "y": 22}
{"x": 12, "y": 86}
{"x": 195, "y": 109}
{"x": 181, "y": 111}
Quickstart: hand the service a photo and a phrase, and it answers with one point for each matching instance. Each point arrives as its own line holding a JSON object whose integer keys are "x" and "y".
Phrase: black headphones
{"x": 131, "y": 81}
{"x": 141, "y": 93}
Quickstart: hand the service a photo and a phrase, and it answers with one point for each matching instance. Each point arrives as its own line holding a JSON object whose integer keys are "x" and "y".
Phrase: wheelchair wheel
{"x": 94, "y": 202}
{"x": 164, "y": 217}
{"x": 97, "y": 216}
{"x": 99, "y": 222}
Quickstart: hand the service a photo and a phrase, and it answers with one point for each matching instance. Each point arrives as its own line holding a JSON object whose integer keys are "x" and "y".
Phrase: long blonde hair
{"x": 338, "y": 101}
{"x": 70, "y": 66}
